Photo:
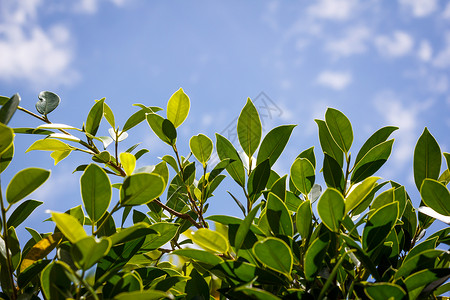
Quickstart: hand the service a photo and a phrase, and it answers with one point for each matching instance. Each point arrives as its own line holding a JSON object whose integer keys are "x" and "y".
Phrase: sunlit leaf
{"x": 211, "y": 240}
{"x": 340, "y": 128}
{"x": 141, "y": 188}
{"x": 274, "y": 143}
{"x": 40, "y": 250}
{"x": 87, "y": 251}
{"x": 96, "y": 191}
{"x": 331, "y": 208}
{"x": 202, "y": 147}
{"x": 128, "y": 162}
{"x": 436, "y": 195}
{"x": 24, "y": 183}
{"x": 69, "y": 226}
{"x": 303, "y": 175}
{"x": 249, "y": 128}
{"x": 274, "y": 254}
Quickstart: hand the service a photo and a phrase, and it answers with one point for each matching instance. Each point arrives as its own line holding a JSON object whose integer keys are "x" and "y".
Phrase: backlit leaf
{"x": 331, "y": 208}
{"x": 69, "y": 226}
{"x": 24, "y": 183}
{"x": 141, "y": 188}
{"x": 128, "y": 162}
{"x": 427, "y": 158}
{"x": 274, "y": 254}
{"x": 436, "y": 195}
{"x": 96, "y": 191}
{"x": 303, "y": 175}
{"x": 178, "y": 107}
{"x": 202, "y": 147}
{"x": 340, "y": 128}
{"x": 249, "y": 128}
{"x": 94, "y": 117}
{"x": 274, "y": 143}
{"x": 210, "y": 240}
{"x": 40, "y": 250}
{"x": 278, "y": 215}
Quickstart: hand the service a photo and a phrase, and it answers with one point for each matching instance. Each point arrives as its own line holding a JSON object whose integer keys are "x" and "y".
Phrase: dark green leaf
{"x": 332, "y": 173}
{"x": 258, "y": 179}
{"x": 134, "y": 120}
{"x": 199, "y": 255}
{"x": 226, "y": 150}
{"x": 24, "y": 183}
{"x": 328, "y": 144}
{"x": 436, "y": 195}
{"x": 315, "y": 255}
{"x": 380, "y": 136}
{"x": 378, "y": 226}
{"x": 304, "y": 219}
{"x": 8, "y": 154}
{"x": 169, "y": 131}
{"x": 424, "y": 260}
{"x": 274, "y": 143}
{"x": 278, "y": 215}
{"x": 48, "y": 101}
{"x": 372, "y": 161}
{"x": 425, "y": 277}
{"x": 31, "y": 272}
{"x": 95, "y": 117}
{"x": 165, "y": 233}
{"x": 87, "y": 251}
{"x": 309, "y": 155}
{"x": 22, "y": 212}
{"x": 8, "y": 109}
{"x": 385, "y": 290}
{"x": 156, "y": 124}
{"x": 427, "y": 158}
{"x": 245, "y": 227}
{"x": 196, "y": 287}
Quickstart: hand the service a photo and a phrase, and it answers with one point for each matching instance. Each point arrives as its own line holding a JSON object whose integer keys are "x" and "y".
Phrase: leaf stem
{"x": 177, "y": 214}
{"x": 5, "y": 239}
{"x": 115, "y": 208}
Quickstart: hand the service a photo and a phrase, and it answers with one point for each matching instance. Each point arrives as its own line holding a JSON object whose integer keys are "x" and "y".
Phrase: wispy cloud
{"x": 352, "y": 42}
{"x": 398, "y": 44}
{"x": 31, "y": 52}
{"x": 425, "y": 51}
{"x": 336, "y": 80}
{"x": 338, "y": 10}
{"x": 442, "y": 59}
{"x": 420, "y": 8}
{"x": 91, "y": 6}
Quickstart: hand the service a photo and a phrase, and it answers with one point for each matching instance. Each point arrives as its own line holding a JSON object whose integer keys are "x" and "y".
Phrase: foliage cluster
{"x": 360, "y": 237}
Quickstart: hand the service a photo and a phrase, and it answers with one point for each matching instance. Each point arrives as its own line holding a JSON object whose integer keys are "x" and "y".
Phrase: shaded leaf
{"x": 96, "y": 191}
{"x": 328, "y": 144}
{"x": 48, "y": 101}
{"x": 9, "y": 108}
{"x": 22, "y": 212}
{"x": 303, "y": 175}
{"x": 141, "y": 188}
{"x": 249, "y": 128}
{"x": 274, "y": 143}
{"x": 24, "y": 183}
{"x": 95, "y": 117}
{"x": 436, "y": 195}
{"x": 427, "y": 158}
{"x": 340, "y": 128}
{"x": 331, "y": 209}
{"x": 380, "y": 136}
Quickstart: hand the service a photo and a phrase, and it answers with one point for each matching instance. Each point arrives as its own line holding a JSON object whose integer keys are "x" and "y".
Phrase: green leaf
{"x": 340, "y": 128}
{"x": 8, "y": 154}
{"x": 258, "y": 179}
{"x": 55, "y": 283}
{"x": 49, "y": 145}
{"x": 304, "y": 219}
{"x": 9, "y": 108}
{"x": 142, "y": 295}
{"x": 372, "y": 161}
{"x": 245, "y": 227}
{"x": 424, "y": 260}
{"x": 359, "y": 193}
{"x": 156, "y": 124}
{"x": 202, "y": 147}
{"x": 199, "y": 255}
{"x": 274, "y": 254}
{"x": 27, "y": 275}
{"x": 109, "y": 115}
{"x": 6, "y": 140}
{"x": 423, "y": 278}
{"x": 332, "y": 173}
{"x": 136, "y": 231}
{"x": 331, "y": 209}
{"x": 96, "y": 192}
{"x": 380, "y": 136}
{"x": 134, "y": 120}
{"x": 255, "y": 293}
{"x": 427, "y": 158}
{"x": 196, "y": 287}
{"x": 303, "y": 175}
{"x": 69, "y": 226}
{"x": 178, "y": 107}
{"x": 166, "y": 232}
{"x": 59, "y": 155}
{"x": 315, "y": 255}
{"x": 378, "y": 226}
{"x": 436, "y": 195}
{"x": 309, "y": 155}
{"x": 274, "y": 143}
{"x": 382, "y": 199}
{"x": 169, "y": 131}
{"x": 22, "y": 212}
{"x": 328, "y": 144}
{"x": 210, "y": 240}
{"x": 278, "y": 215}
{"x": 95, "y": 117}
{"x": 24, "y": 183}
{"x": 385, "y": 290}
{"x": 14, "y": 247}
{"x": 226, "y": 150}
{"x": 249, "y": 128}
{"x": 89, "y": 250}
{"x": 128, "y": 162}
{"x": 48, "y": 101}
{"x": 141, "y": 188}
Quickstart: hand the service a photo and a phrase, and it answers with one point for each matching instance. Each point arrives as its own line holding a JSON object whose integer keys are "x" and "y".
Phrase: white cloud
{"x": 338, "y": 10}
{"x": 353, "y": 42}
{"x": 420, "y": 8}
{"x": 442, "y": 59}
{"x": 404, "y": 116}
{"x": 425, "y": 51}
{"x": 28, "y": 51}
{"x": 399, "y": 44}
{"x": 336, "y": 80}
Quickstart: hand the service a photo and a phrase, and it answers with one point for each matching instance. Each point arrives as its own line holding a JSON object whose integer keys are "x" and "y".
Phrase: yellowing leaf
{"x": 40, "y": 250}
{"x": 128, "y": 161}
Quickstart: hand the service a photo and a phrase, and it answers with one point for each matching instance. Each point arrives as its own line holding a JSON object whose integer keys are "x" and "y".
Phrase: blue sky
{"x": 380, "y": 62}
